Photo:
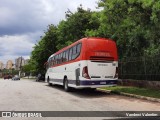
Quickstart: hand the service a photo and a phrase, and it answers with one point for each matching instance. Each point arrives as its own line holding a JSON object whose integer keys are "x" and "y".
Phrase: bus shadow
{"x": 58, "y": 87}
{"x": 82, "y": 93}
{"x": 87, "y": 93}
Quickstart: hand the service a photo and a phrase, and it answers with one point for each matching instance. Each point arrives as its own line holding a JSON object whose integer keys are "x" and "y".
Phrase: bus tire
{"x": 66, "y": 87}
{"x": 50, "y": 84}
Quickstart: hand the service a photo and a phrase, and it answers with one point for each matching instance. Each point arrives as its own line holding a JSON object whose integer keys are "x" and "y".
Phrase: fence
{"x": 140, "y": 68}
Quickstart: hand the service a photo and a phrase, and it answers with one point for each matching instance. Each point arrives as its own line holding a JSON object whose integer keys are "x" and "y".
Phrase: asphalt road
{"x": 28, "y": 95}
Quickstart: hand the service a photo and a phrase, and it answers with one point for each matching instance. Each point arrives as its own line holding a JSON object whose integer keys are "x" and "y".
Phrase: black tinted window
{"x": 56, "y": 59}
{"x": 67, "y": 55}
{"x": 52, "y": 61}
{"x": 64, "y": 57}
{"x": 60, "y": 59}
{"x": 78, "y": 48}
{"x": 70, "y": 54}
{"x": 76, "y": 51}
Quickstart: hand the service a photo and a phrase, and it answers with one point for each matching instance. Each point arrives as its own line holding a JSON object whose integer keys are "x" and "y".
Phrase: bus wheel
{"x": 66, "y": 88}
{"x": 50, "y": 84}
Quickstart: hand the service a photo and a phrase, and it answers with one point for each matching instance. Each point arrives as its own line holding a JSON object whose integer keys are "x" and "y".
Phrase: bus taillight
{"x": 85, "y": 73}
{"x": 116, "y": 74}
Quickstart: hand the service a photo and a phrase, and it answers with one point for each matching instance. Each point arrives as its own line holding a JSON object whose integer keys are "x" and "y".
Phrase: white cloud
{"x": 21, "y": 16}
{"x": 23, "y": 22}
{"x": 12, "y": 47}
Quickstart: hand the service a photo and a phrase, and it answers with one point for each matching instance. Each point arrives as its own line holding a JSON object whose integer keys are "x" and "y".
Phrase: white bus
{"x": 87, "y": 63}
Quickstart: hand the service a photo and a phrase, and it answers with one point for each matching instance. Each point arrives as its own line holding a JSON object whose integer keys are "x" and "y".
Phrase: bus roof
{"x": 79, "y": 41}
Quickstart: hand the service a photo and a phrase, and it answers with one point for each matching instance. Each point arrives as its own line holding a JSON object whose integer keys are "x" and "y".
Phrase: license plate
{"x": 102, "y": 83}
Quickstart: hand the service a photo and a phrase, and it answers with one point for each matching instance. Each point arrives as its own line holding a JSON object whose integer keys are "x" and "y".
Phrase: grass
{"x": 135, "y": 90}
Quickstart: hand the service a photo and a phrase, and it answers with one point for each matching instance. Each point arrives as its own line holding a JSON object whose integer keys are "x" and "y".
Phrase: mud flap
{"x": 77, "y": 72}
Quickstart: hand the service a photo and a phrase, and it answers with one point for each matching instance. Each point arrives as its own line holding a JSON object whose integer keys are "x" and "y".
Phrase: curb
{"x": 130, "y": 95}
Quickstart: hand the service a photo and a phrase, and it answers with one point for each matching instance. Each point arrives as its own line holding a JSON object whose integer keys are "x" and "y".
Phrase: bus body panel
{"x": 93, "y": 48}
{"x": 102, "y": 71}
{"x": 57, "y": 76}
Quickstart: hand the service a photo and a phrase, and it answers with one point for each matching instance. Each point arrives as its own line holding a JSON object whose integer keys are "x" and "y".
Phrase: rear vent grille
{"x": 101, "y": 59}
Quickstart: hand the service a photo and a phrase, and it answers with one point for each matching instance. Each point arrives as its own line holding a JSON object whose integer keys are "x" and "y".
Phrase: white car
{"x": 16, "y": 77}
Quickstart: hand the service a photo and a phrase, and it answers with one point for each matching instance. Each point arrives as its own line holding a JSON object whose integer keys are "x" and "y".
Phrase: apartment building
{"x": 9, "y": 64}
{"x": 1, "y": 65}
{"x": 19, "y": 62}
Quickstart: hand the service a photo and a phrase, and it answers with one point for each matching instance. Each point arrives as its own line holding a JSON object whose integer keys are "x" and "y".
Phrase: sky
{"x": 22, "y": 22}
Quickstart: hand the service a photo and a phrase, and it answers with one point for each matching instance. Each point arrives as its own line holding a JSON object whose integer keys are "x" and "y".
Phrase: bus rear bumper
{"x": 95, "y": 83}
{"x": 86, "y": 83}
{"x": 93, "y": 86}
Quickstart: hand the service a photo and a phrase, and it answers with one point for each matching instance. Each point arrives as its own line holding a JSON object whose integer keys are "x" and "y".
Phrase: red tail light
{"x": 116, "y": 74}
{"x": 85, "y": 72}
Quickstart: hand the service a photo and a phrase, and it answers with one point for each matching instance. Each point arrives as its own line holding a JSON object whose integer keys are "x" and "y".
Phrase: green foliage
{"x": 9, "y": 72}
{"x": 133, "y": 24}
{"x": 67, "y": 32}
{"x": 45, "y": 47}
{"x": 29, "y": 68}
{"x": 94, "y": 20}
{"x": 75, "y": 26}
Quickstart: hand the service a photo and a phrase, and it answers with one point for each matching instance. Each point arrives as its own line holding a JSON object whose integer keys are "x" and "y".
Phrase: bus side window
{"x": 78, "y": 48}
{"x": 56, "y": 57}
{"x": 60, "y": 59}
{"x": 74, "y": 52}
{"x": 64, "y": 57}
{"x": 67, "y": 55}
{"x": 52, "y": 61}
{"x": 70, "y": 54}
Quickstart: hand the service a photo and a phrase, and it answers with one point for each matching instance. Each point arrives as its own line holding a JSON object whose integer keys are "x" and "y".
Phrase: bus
{"x": 87, "y": 63}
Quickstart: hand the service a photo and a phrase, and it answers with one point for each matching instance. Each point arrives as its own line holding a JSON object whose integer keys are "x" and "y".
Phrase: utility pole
{"x": 20, "y": 66}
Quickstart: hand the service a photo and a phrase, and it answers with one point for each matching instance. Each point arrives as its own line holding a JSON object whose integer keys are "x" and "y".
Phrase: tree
{"x": 75, "y": 26}
{"x": 133, "y": 24}
{"x": 29, "y": 68}
{"x": 45, "y": 47}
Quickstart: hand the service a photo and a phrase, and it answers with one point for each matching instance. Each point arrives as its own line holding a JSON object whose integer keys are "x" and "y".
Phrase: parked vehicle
{"x": 87, "y": 63}
{"x": 16, "y": 77}
{"x": 7, "y": 77}
{"x": 40, "y": 77}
